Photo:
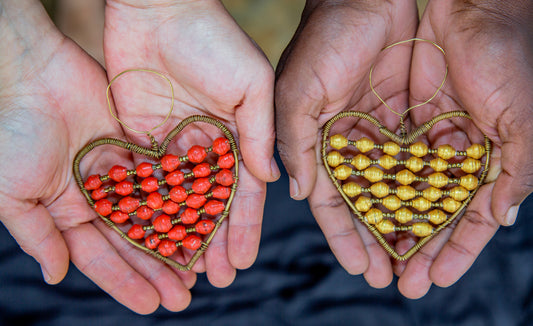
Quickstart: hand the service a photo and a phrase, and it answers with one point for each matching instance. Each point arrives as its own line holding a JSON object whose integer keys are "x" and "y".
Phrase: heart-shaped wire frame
{"x": 156, "y": 152}
{"x": 401, "y": 140}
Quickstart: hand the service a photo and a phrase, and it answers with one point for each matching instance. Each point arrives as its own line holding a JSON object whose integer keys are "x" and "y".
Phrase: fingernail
{"x": 46, "y": 276}
{"x": 511, "y": 215}
{"x": 294, "y": 188}
{"x": 274, "y": 169}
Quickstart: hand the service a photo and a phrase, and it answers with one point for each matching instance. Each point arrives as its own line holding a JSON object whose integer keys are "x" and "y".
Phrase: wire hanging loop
{"x": 147, "y": 132}
{"x": 402, "y": 115}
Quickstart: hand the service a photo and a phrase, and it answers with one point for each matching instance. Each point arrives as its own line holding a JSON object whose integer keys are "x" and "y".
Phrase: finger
{"x": 99, "y": 261}
{"x": 472, "y": 233}
{"x": 35, "y": 231}
{"x": 219, "y": 271}
{"x": 337, "y": 224}
{"x": 246, "y": 215}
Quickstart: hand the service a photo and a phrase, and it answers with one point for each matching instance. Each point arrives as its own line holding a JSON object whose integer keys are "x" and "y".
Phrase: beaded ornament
{"x": 177, "y": 203}
{"x": 404, "y": 185}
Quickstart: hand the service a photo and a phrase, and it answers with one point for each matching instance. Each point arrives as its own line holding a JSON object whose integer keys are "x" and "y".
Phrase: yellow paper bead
{"x": 445, "y": 152}
{"x": 364, "y": 144}
{"x": 471, "y": 165}
{"x": 342, "y": 172}
{"x": 379, "y": 189}
{"x": 414, "y": 164}
{"x": 438, "y": 164}
{"x": 363, "y": 204}
{"x": 450, "y": 205}
{"x": 437, "y": 216}
{"x": 459, "y": 193}
{"x": 418, "y": 149}
{"x": 475, "y": 151}
{"x": 422, "y": 229}
{"x": 469, "y": 181}
{"x": 385, "y": 227}
{"x": 338, "y": 141}
{"x": 432, "y": 193}
{"x": 403, "y": 215}
{"x": 421, "y": 204}
{"x": 374, "y": 216}
{"x": 360, "y": 162}
{"x": 334, "y": 159}
{"x": 405, "y": 192}
{"x": 405, "y": 177}
{"x": 373, "y": 174}
{"x": 392, "y": 202}
{"x": 391, "y": 148}
{"x": 351, "y": 189}
{"x": 387, "y": 162}
{"x": 438, "y": 180}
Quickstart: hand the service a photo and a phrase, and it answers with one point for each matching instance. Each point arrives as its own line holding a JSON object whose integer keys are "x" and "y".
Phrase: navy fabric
{"x": 295, "y": 281}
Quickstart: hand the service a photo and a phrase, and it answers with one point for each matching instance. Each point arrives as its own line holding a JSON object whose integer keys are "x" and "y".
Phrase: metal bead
{"x": 422, "y": 229}
{"x": 334, "y": 159}
{"x": 391, "y": 148}
{"x": 432, "y": 193}
{"x": 379, "y": 189}
{"x": 387, "y": 162}
{"x": 475, "y": 151}
{"x": 459, "y": 193}
{"x": 385, "y": 227}
{"x": 418, "y": 149}
{"x": 450, "y": 205}
{"x": 421, "y": 204}
{"x": 363, "y": 204}
{"x": 445, "y": 152}
{"x": 364, "y": 144}
{"x": 392, "y": 202}
{"x": 405, "y": 177}
{"x": 437, "y": 216}
{"x": 360, "y": 162}
{"x": 414, "y": 164}
{"x": 469, "y": 181}
{"x": 471, "y": 165}
{"x": 405, "y": 192}
{"x": 373, "y": 174}
{"x": 438, "y": 164}
{"x": 338, "y": 141}
{"x": 403, "y": 215}
{"x": 374, "y": 216}
{"x": 351, "y": 189}
{"x": 342, "y": 172}
{"x": 438, "y": 180}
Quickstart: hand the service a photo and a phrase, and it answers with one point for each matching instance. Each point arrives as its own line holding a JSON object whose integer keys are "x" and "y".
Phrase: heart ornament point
{"x": 172, "y": 202}
{"x": 402, "y": 185}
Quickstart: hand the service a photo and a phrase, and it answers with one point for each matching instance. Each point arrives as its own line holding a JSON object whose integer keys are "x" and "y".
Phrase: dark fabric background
{"x": 295, "y": 281}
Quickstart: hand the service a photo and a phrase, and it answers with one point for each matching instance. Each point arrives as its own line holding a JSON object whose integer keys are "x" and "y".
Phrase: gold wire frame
{"x": 156, "y": 152}
{"x": 403, "y": 140}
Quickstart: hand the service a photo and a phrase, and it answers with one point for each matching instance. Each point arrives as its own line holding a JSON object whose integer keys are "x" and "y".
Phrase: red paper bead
{"x": 93, "y": 182}
{"x": 201, "y": 170}
{"x": 119, "y": 217}
{"x": 177, "y": 233}
{"x": 201, "y": 185}
{"x": 162, "y": 223}
{"x": 144, "y": 170}
{"x": 128, "y": 204}
{"x": 154, "y": 200}
{"x": 214, "y": 207}
{"x": 195, "y": 201}
{"x": 167, "y": 247}
{"x": 103, "y": 207}
{"x": 170, "y": 162}
{"x": 152, "y": 241}
{"x": 178, "y": 194}
{"x": 144, "y": 212}
{"x": 221, "y": 146}
{"x": 118, "y": 173}
{"x": 226, "y": 161}
{"x": 224, "y": 177}
{"x": 136, "y": 232}
{"x": 221, "y": 192}
{"x": 205, "y": 226}
{"x": 170, "y": 207}
{"x": 150, "y": 184}
{"x": 175, "y": 178}
{"x": 98, "y": 193}
{"x": 124, "y": 188}
{"x": 196, "y": 154}
{"x": 192, "y": 242}
{"x": 189, "y": 216}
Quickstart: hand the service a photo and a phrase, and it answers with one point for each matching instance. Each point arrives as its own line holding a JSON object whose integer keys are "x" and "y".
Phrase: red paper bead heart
{"x": 179, "y": 202}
